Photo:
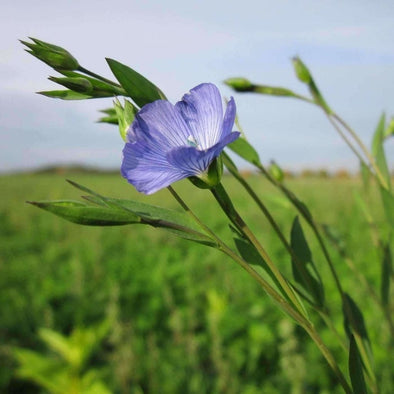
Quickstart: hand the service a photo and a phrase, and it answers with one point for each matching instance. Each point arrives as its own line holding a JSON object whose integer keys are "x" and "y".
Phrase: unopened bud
{"x": 53, "y": 55}
{"x": 276, "y": 172}
{"x": 80, "y": 85}
{"x": 125, "y": 116}
{"x": 239, "y": 84}
{"x": 301, "y": 70}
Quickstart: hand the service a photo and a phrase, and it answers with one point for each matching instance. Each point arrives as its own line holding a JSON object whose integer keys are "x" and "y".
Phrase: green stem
{"x": 273, "y": 223}
{"x": 224, "y": 201}
{"x": 299, "y": 318}
{"x": 347, "y": 141}
{"x": 94, "y": 75}
{"x": 309, "y": 219}
{"x": 366, "y": 152}
{"x": 288, "y": 247}
{"x": 332, "y": 115}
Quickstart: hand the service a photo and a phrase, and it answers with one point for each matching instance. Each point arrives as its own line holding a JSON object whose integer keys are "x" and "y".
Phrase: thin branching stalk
{"x": 94, "y": 75}
{"x": 227, "y": 206}
{"x": 299, "y": 318}
{"x": 323, "y": 313}
{"x": 366, "y": 152}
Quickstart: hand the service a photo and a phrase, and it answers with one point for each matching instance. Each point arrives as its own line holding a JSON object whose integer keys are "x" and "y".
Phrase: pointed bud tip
{"x": 239, "y": 84}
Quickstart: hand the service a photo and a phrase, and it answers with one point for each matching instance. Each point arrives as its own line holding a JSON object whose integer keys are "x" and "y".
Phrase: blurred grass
{"x": 184, "y": 318}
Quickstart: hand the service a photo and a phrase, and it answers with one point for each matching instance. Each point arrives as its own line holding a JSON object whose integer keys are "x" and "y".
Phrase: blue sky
{"x": 179, "y": 44}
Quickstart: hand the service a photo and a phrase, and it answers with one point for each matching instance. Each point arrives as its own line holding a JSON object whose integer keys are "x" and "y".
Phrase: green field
{"x": 183, "y": 317}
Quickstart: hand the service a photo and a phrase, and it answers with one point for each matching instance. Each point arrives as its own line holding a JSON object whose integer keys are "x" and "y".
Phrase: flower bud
{"x": 239, "y": 84}
{"x": 53, "y": 55}
{"x": 77, "y": 84}
{"x": 276, "y": 172}
{"x": 211, "y": 177}
{"x": 125, "y": 116}
{"x": 301, "y": 70}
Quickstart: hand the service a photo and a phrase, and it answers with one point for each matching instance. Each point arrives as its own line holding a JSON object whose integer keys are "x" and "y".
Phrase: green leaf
{"x": 365, "y": 175}
{"x": 388, "y": 205}
{"x": 304, "y": 270}
{"x": 356, "y": 368}
{"x": 378, "y": 150}
{"x": 354, "y": 320}
{"x": 65, "y": 95}
{"x": 81, "y": 213}
{"x": 176, "y": 222}
{"x": 249, "y": 253}
{"x": 389, "y": 132}
{"x": 355, "y": 325}
{"x": 387, "y": 271}
{"x": 141, "y": 90}
{"x": 110, "y": 117}
{"x": 245, "y": 150}
{"x": 363, "y": 207}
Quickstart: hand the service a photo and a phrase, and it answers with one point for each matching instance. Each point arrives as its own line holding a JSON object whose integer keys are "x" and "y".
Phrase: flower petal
{"x": 202, "y": 111}
{"x": 147, "y": 170}
{"x": 229, "y": 118}
{"x": 162, "y": 120}
{"x": 194, "y": 162}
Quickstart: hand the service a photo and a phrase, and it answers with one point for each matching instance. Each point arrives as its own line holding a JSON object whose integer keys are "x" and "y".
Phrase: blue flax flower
{"x": 168, "y": 142}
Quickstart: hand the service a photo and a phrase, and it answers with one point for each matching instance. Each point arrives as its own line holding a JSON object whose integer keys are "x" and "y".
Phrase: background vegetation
{"x": 162, "y": 315}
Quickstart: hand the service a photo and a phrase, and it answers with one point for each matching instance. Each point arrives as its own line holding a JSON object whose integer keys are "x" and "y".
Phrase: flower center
{"x": 191, "y": 141}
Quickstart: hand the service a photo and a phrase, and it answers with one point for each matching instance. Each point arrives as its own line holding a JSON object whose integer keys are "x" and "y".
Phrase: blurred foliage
{"x": 182, "y": 318}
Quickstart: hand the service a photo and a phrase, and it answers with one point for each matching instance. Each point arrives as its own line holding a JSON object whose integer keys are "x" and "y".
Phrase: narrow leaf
{"x": 355, "y": 325}
{"x": 245, "y": 150}
{"x": 387, "y": 271}
{"x": 356, "y": 368}
{"x": 177, "y": 222}
{"x": 354, "y": 318}
{"x": 81, "y": 213}
{"x": 365, "y": 175}
{"x": 140, "y": 89}
{"x": 388, "y": 205}
{"x": 65, "y": 95}
{"x": 378, "y": 150}
{"x": 304, "y": 270}
{"x": 249, "y": 253}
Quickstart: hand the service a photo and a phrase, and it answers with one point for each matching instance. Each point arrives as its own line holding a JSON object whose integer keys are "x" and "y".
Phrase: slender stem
{"x": 332, "y": 115}
{"x": 308, "y": 217}
{"x": 299, "y": 318}
{"x": 326, "y": 317}
{"x": 371, "y": 159}
{"x": 94, "y": 75}
{"x": 274, "y": 225}
{"x": 350, "y": 263}
{"x": 347, "y": 141}
{"x": 224, "y": 201}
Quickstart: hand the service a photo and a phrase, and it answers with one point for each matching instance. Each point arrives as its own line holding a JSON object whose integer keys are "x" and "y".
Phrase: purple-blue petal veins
{"x": 167, "y": 143}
